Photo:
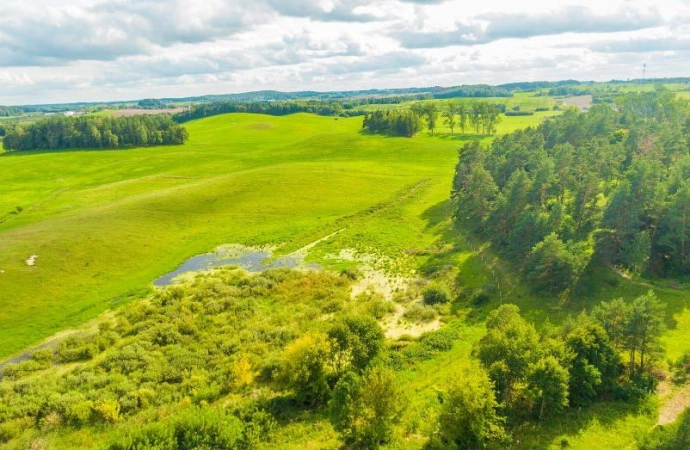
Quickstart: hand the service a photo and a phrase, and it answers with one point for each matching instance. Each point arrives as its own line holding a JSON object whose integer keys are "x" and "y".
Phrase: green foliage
{"x": 552, "y": 267}
{"x": 547, "y": 383}
{"x": 675, "y": 436}
{"x": 435, "y": 294}
{"x": 193, "y": 428}
{"x": 609, "y": 182}
{"x": 595, "y": 364}
{"x": 221, "y": 335}
{"x": 354, "y": 343}
{"x": 507, "y": 350}
{"x": 365, "y": 409}
{"x": 303, "y": 368}
{"x": 397, "y": 123}
{"x": 469, "y": 417}
{"x": 274, "y": 108}
{"x": 635, "y": 328}
{"x": 96, "y": 132}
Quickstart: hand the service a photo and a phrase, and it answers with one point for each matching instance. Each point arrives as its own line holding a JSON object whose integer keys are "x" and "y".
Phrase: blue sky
{"x": 91, "y": 50}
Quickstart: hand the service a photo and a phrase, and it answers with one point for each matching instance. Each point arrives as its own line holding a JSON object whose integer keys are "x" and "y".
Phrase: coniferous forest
{"x": 611, "y": 183}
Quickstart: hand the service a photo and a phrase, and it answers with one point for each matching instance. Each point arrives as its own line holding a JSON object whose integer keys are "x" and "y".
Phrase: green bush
{"x": 420, "y": 313}
{"x": 435, "y": 294}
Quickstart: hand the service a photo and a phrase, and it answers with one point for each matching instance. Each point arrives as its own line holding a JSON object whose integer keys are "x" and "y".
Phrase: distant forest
{"x": 96, "y": 132}
{"x": 321, "y": 108}
{"x": 612, "y": 183}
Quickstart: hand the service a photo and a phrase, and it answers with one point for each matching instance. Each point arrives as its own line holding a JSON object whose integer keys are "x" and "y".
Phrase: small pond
{"x": 249, "y": 258}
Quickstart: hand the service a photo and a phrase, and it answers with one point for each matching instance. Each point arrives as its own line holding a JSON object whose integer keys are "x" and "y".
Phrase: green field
{"x": 104, "y": 224}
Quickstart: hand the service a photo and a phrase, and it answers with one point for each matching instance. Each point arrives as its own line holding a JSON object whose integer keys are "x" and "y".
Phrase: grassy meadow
{"x": 105, "y": 224}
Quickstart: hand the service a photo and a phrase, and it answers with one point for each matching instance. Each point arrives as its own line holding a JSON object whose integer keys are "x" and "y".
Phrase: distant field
{"x": 104, "y": 224}
{"x": 526, "y": 101}
{"x": 144, "y": 112}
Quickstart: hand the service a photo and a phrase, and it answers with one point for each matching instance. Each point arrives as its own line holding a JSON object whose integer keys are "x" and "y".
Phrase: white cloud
{"x": 75, "y": 50}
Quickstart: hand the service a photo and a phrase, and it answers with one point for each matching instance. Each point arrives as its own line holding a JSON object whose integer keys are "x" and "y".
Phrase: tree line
{"x": 482, "y": 117}
{"x": 611, "y": 183}
{"x": 95, "y": 132}
{"x": 273, "y": 108}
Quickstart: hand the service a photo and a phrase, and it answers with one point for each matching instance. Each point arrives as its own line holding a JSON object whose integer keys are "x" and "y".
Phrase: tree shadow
{"x": 287, "y": 409}
{"x": 437, "y": 214}
{"x": 465, "y": 137}
{"x": 572, "y": 423}
{"x": 16, "y": 153}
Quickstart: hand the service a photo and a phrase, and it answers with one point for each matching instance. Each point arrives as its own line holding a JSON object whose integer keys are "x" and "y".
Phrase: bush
{"x": 420, "y": 313}
{"x": 440, "y": 340}
{"x": 350, "y": 273}
{"x": 107, "y": 411}
{"x": 379, "y": 308}
{"x": 435, "y": 294}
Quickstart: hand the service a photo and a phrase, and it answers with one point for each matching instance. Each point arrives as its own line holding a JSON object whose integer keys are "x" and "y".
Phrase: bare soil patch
{"x": 373, "y": 278}
{"x": 583, "y": 102}
{"x": 673, "y": 403}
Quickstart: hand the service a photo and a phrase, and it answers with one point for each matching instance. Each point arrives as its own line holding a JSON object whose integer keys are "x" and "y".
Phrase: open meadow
{"x": 104, "y": 224}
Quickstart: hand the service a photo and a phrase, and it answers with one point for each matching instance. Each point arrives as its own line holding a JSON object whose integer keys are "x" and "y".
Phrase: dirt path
{"x": 675, "y": 403}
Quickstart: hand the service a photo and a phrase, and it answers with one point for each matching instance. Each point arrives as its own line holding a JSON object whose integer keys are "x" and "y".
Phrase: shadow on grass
{"x": 14, "y": 153}
{"x": 559, "y": 430}
{"x": 600, "y": 283}
{"x": 464, "y": 137}
{"x": 287, "y": 409}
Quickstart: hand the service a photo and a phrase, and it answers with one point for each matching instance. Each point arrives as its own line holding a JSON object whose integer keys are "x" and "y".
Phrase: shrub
{"x": 440, "y": 340}
{"x": 351, "y": 273}
{"x": 420, "y": 313}
{"x": 435, "y": 294}
{"x": 107, "y": 411}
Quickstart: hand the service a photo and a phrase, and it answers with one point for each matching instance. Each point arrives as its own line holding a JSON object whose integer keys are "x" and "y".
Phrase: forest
{"x": 609, "y": 184}
{"x": 57, "y": 133}
{"x": 274, "y": 108}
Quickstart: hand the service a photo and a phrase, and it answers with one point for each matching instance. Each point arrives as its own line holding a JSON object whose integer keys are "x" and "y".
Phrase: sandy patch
{"x": 373, "y": 278}
{"x": 674, "y": 404}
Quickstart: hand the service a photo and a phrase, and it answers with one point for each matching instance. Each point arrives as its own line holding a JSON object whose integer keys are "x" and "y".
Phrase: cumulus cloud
{"x": 643, "y": 45}
{"x": 490, "y": 27}
{"x": 393, "y": 61}
{"x": 332, "y": 10}
{"x": 115, "y": 49}
{"x": 569, "y": 19}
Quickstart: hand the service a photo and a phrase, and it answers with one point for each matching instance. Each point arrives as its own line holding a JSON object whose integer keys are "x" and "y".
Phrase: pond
{"x": 251, "y": 259}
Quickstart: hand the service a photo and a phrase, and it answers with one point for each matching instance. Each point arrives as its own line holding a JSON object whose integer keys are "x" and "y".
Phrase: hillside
{"x": 390, "y": 288}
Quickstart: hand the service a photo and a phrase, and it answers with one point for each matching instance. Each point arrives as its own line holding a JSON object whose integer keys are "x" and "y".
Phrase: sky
{"x": 55, "y": 51}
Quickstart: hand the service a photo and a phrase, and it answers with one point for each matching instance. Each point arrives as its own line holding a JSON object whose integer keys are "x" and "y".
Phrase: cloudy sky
{"x": 94, "y": 50}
